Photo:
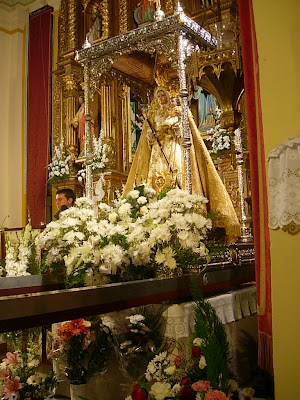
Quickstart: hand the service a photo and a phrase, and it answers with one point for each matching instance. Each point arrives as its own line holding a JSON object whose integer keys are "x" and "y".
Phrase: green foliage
{"x": 215, "y": 348}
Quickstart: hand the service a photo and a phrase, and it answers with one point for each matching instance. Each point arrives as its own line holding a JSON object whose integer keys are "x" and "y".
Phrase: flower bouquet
{"x": 24, "y": 257}
{"x": 220, "y": 138}
{"x": 19, "y": 378}
{"x": 140, "y": 236}
{"x": 59, "y": 166}
{"x": 81, "y": 348}
{"x": 66, "y": 245}
{"x": 205, "y": 375}
{"x": 139, "y": 342}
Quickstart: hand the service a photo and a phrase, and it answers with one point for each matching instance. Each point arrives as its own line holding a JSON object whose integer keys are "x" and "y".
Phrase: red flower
{"x": 196, "y": 351}
{"x": 138, "y": 393}
{"x": 184, "y": 381}
{"x": 186, "y": 393}
{"x": 177, "y": 360}
{"x": 73, "y": 328}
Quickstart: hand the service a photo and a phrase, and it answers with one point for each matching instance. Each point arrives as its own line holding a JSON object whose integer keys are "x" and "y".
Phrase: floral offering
{"x": 220, "y": 138}
{"x": 81, "y": 348}
{"x": 139, "y": 342}
{"x": 59, "y": 166}
{"x": 65, "y": 242}
{"x": 19, "y": 378}
{"x": 204, "y": 375}
{"x": 23, "y": 258}
{"x": 133, "y": 239}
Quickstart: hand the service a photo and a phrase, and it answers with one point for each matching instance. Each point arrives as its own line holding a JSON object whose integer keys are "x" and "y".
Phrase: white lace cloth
{"x": 230, "y": 307}
{"x": 284, "y": 186}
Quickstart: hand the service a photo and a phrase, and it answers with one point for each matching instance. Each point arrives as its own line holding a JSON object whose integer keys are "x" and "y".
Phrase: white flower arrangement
{"x": 99, "y": 154}
{"x": 59, "y": 166}
{"x": 67, "y": 241}
{"x": 136, "y": 236}
{"x": 99, "y": 159}
{"x": 220, "y": 137}
{"x": 24, "y": 257}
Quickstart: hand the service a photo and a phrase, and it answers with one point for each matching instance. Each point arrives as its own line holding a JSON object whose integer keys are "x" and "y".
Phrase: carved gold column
{"x": 123, "y": 20}
{"x": 88, "y": 134}
{"x": 108, "y": 110}
{"x": 72, "y": 78}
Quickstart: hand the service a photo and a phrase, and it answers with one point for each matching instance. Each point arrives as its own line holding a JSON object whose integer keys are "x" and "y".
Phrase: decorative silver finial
{"x": 159, "y": 15}
{"x": 86, "y": 44}
{"x": 179, "y": 9}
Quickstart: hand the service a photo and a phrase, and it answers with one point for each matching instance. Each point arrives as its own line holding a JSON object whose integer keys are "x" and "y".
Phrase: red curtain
{"x": 38, "y": 112}
{"x": 258, "y": 185}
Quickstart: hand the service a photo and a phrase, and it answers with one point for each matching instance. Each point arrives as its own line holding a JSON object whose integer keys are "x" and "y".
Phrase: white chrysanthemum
{"x": 160, "y": 257}
{"x": 112, "y": 255}
{"x": 71, "y": 236}
{"x": 178, "y": 220}
{"x": 161, "y": 390}
{"x": 161, "y": 233}
{"x": 141, "y": 254}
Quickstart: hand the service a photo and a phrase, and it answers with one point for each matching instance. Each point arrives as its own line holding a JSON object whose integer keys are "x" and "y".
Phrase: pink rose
{"x": 215, "y": 395}
{"x": 201, "y": 386}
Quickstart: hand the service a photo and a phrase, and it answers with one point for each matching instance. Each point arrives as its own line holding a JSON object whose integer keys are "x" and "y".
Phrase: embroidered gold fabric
{"x": 150, "y": 165}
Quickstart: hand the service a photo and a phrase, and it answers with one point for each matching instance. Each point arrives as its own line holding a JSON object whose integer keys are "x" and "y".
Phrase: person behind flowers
{"x": 159, "y": 160}
{"x": 64, "y": 198}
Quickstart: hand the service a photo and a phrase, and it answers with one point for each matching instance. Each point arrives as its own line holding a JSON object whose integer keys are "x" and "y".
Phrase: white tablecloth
{"x": 230, "y": 307}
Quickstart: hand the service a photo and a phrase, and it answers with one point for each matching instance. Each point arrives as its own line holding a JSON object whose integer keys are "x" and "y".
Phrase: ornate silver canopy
{"x": 176, "y": 37}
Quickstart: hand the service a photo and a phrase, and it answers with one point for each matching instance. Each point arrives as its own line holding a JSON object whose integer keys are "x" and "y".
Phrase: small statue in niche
{"x": 144, "y": 11}
{"x": 95, "y": 31}
{"x": 78, "y": 123}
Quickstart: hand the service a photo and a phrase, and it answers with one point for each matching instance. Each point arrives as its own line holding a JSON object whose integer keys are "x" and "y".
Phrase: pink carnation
{"x": 201, "y": 386}
{"x": 216, "y": 395}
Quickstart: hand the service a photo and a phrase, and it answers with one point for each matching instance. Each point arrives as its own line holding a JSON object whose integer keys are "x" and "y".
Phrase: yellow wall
{"x": 278, "y": 36}
{"x": 12, "y": 122}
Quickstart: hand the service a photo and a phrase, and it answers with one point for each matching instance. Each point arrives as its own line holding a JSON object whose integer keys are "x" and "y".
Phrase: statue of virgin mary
{"x": 159, "y": 161}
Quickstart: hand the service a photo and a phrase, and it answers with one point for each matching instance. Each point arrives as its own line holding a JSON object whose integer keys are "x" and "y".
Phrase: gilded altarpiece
{"x": 218, "y": 71}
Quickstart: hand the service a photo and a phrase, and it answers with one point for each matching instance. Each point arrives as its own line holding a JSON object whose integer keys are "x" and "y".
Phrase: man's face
{"x": 61, "y": 200}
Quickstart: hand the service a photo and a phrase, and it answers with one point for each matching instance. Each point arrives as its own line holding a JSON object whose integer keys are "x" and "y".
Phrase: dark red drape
{"x": 258, "y": 185}
{"x": 38, "y": 112}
